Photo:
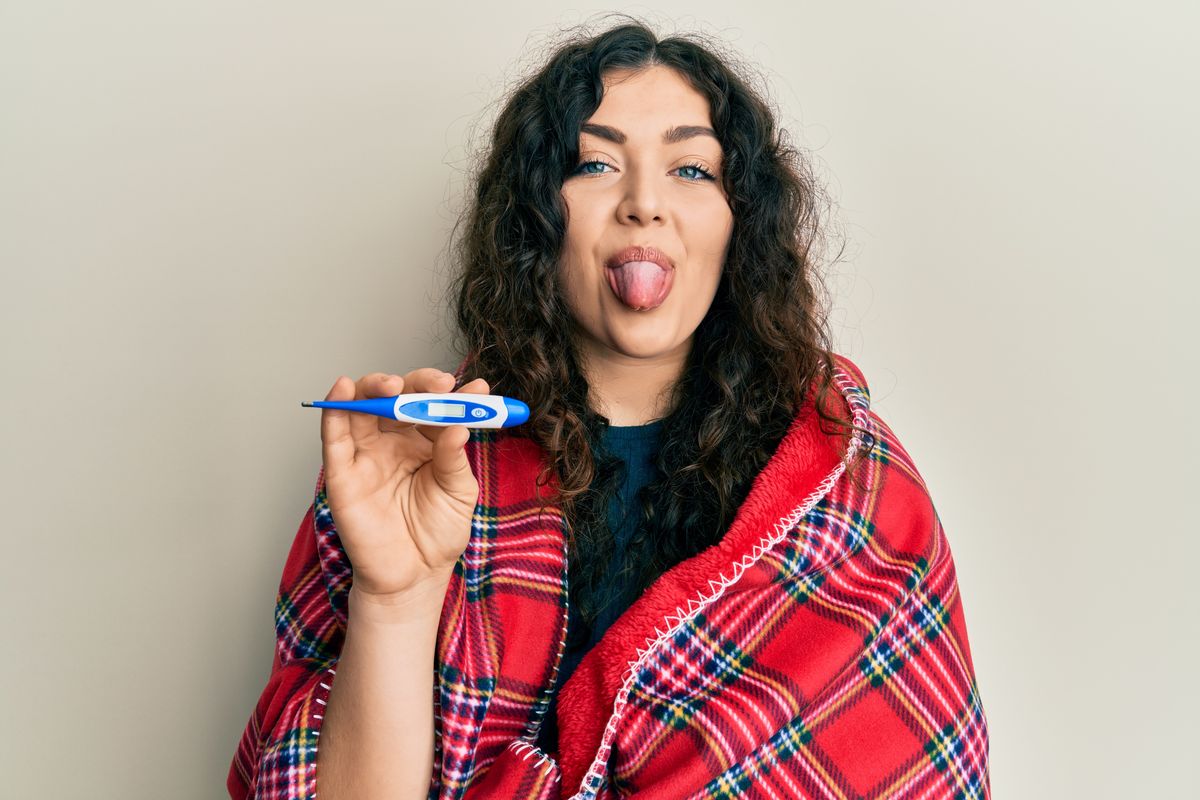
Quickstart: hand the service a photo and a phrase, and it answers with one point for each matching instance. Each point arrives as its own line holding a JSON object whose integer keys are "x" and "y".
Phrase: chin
{"x": 646, "y": 342}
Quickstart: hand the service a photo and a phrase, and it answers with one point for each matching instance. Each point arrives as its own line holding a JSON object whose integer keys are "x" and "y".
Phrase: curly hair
{"x": 762, "y": 350}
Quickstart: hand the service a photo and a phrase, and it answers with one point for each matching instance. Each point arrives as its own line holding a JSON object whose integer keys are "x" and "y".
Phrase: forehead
{"x": 645, "y": 103}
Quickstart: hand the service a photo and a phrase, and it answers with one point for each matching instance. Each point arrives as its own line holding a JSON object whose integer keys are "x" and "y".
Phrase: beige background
{"x": 210, "y": 210}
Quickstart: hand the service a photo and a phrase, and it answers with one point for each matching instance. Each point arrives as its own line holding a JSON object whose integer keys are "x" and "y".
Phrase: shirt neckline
{"x": 633, "y": 432}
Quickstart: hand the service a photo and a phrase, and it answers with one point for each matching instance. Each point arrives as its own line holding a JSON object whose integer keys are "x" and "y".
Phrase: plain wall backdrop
{"x": 211, "y": 210}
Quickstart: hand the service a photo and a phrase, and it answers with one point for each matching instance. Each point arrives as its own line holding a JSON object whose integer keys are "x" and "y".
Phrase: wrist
{"x": 420, "y": 603}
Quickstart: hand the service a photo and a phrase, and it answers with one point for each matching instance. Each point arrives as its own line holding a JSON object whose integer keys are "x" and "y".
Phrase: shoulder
{"x": 887, "y": 485}
{"x": 851, "y": 381}
{"x": 852, "y": 370}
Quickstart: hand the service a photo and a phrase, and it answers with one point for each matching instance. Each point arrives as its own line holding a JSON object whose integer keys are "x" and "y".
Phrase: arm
{"x": 277, "y": 755}
{"x": 377, "y": 739}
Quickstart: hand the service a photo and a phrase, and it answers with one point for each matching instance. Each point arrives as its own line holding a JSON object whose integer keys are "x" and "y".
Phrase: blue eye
{"x": 707, "y": 175}
{"x": 704, "y": 175}
{"x": 580, "y": 168}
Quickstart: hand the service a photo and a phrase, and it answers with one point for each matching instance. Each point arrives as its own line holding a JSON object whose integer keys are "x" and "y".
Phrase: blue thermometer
{"x": 438, "y": 408}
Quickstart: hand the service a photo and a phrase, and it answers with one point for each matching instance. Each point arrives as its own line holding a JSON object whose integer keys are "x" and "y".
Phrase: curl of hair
{"x": 763, "y": 346}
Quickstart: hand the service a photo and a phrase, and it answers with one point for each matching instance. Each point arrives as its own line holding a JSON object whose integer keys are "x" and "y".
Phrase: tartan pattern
{"x": 826, "y": 657}
{"x": 279, "y": 760}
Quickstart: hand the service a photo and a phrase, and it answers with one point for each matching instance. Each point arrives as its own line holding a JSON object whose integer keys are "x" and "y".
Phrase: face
{"x": 637, "y": 187}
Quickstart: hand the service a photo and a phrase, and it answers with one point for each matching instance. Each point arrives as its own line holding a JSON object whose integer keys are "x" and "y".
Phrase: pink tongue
{"x": 640, "y": 283}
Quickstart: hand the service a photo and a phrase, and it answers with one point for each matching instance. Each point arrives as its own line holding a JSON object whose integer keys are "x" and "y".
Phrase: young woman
{"x": 703, "y": 568}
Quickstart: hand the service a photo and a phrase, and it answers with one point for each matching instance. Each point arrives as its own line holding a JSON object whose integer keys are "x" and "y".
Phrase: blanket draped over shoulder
{"x": 818, "y": 650}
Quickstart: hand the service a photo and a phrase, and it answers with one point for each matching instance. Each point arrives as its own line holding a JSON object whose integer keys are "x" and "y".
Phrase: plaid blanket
{"x": 819, "y": 650}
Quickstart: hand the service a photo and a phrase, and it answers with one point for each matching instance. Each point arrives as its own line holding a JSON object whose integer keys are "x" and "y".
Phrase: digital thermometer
{"x": 438, "y": 408}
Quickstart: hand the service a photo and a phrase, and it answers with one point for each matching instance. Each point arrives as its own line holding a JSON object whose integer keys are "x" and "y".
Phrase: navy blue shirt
{"x": 635, "y": 445}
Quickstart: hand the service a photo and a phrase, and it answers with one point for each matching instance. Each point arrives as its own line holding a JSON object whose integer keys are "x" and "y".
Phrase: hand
{"x": 402, "y": 494}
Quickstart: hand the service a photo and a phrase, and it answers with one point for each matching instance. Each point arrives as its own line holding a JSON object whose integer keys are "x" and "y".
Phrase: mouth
{"x": 640, "y": 253}
{"x": 640, "y": 277}
{"x": 640, "y": 285}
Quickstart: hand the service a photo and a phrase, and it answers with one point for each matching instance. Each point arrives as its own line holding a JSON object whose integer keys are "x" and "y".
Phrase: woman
{"x": 761, "y": 598}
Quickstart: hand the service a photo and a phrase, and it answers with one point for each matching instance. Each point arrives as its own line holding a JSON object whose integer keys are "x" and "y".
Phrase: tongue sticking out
{"x": 641, "y": 285}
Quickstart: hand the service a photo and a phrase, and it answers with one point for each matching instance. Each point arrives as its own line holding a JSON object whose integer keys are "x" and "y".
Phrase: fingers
{"x": 343, "y": 433}
{"x": 337, "y": 442}
{"x": 430, "y": 432}
{"x": 451, "y": 468}
{"x": 434, "y": 432}
{"x": 425, "y": 379}
{"x": 364, "y": 427}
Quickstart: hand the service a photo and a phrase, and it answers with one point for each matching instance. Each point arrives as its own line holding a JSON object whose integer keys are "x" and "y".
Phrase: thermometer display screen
{"x": 456, "y": 410}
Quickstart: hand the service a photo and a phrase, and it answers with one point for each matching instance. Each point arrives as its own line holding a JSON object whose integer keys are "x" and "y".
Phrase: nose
{"x": 642, "y": 200}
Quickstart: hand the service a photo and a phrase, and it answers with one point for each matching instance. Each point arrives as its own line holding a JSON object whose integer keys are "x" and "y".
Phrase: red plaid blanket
{"x": 819, "y": 650}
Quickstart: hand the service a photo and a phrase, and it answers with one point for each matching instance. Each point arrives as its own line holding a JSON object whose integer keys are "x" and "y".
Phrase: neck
{"x": 632, "y": 391}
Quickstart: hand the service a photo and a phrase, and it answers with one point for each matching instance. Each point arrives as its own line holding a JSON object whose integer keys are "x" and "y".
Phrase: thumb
{"x": 450, "y": 465}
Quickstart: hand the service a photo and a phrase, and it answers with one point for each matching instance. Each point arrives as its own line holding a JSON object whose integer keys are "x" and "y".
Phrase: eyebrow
{"x": 672, "y": 136}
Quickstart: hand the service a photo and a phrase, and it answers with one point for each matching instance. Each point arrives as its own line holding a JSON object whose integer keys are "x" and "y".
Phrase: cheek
{"x": 715, "y": 216}
{"x": 574, "y": 282}
{"x": 708, "y": 233}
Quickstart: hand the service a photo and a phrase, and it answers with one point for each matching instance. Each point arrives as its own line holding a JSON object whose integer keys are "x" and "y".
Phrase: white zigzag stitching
{"x": 520, "y": 746}
{"x": 596, "y": 772}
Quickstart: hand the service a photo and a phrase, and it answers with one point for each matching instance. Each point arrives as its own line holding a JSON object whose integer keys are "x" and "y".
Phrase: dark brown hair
{"x": 762, "y": 345}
